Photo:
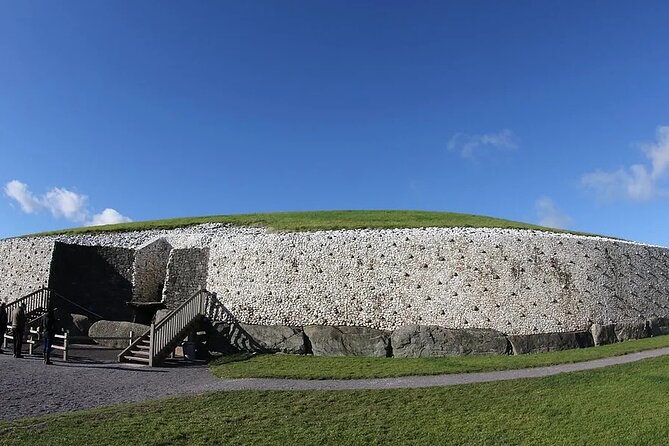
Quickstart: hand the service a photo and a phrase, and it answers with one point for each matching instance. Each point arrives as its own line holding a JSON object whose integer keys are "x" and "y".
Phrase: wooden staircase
{"x": 160, "y": 340}
{"x": 140, "y": 352}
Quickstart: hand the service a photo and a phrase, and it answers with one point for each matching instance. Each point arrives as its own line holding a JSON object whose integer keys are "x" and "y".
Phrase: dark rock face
{"x": 548, "y": 342}
{"x": 631, "y": 330}
{"x": 414, "y": 341}
{"x": 99, "y": 278}
{"x": 120, "y": 329}
{"x": 603, "y": 334}
{"x": 659, "y": 326}
{"x": 186, "y": 273}
{"x": 80, "y": 325}
{"x": 262, "y": 338}
{"x": 347, "y": 341}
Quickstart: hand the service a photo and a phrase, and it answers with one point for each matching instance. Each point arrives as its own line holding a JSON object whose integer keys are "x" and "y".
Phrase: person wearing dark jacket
{"x": 48, "y": 329}
{"x": 3, "y": 323}
{"x": 18, "y": 329}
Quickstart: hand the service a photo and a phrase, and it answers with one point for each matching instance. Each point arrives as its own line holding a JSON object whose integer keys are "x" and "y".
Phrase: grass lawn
{"x": 322, "y": 220}
{"x": 621, "y": 405}
{"x": 320, "y": 367}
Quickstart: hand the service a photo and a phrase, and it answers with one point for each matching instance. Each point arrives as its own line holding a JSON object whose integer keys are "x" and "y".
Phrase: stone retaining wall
{"x": 512, "y": 281}
{"x": 24, "y": 266}
{"x": 516, "y": 282}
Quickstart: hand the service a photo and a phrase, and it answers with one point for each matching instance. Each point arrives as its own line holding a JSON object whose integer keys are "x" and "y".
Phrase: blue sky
{"x": 544, "y": 112}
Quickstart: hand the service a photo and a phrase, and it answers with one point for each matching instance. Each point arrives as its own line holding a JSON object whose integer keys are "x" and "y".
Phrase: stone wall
{"x": 24, "y": 266}
{"x": 99, "y": 278}
{"x": 513, "y": 281}
{"x": 517, "y": 282}
{"x": 186, "y": 273}
{"x": 149, "y": 270}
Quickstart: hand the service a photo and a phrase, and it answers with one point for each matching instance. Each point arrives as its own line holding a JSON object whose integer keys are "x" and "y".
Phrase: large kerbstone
{"x": 347, "y": 341}
{"x": 603, "y": 334}
{"x": 115, "y": 329}
{"x": 264, "y": 339}
{"x": 421, "y": 341}
{"x": 659, "y": 326}
{"x": 548, "y": 342}
{"x": 631, "y": 330}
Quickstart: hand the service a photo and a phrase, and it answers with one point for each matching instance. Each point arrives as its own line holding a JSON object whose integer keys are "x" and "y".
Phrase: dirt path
{"x": 29, "y": 388}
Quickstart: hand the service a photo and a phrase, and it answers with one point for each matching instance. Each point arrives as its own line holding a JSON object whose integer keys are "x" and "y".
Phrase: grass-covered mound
{"x": 323, "y": 220}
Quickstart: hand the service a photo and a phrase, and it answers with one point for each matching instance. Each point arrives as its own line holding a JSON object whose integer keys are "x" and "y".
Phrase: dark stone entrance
{"x": 99, "y": 278}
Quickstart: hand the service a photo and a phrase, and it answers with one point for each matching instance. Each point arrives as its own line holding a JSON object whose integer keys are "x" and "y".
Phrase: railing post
{"x": 151, "y": 341}
{"x": 65, "y": 345}
{"x": 130, "y": 340}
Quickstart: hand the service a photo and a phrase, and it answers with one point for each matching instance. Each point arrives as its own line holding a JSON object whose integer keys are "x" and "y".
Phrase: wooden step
{"x": 141, "y": 353}
{"x": 143, "y": 346}
{"x": 136, "y": 359}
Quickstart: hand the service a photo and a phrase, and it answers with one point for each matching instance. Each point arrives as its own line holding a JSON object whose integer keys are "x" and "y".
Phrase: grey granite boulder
{"x": 659, "y": 326}
{"x": 421, "y": 341}
{"x": 347, "y": 341}
{"x": 603, "y": 334}
{"x": 265, "y": 338}
{"x": 631, "y": 330}
{"x": 548, "y": 342}
{"x": 115, "y": 329}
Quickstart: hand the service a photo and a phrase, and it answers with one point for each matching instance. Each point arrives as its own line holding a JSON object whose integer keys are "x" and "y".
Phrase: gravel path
{"x": 29, "y": 388}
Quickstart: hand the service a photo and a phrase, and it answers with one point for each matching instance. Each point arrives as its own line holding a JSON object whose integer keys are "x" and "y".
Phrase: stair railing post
{"x": 130, "y": 338}
{"x": 151, "y": 336}
{"x": 66, "y": 344}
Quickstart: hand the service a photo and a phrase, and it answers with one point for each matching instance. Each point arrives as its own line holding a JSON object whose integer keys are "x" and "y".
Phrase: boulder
{"x": 347, "y": 341}
{"x": 659, "y": 326}
{"x": 603, "y": 334}
{"x": 161, "y": 314}
{"x": 548, "y": 342}
{"x": 115, "y": 329}
{"x": 631, "y": 330}
{"x": 76, "y": 324}
{"x": 265, "y": 338}
{"x": 422, "y": 341}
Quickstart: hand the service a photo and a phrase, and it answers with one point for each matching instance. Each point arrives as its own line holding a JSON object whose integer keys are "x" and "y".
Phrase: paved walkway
{"x": 29, "y": 388}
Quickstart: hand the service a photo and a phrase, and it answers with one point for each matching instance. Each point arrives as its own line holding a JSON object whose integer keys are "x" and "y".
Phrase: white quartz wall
{"x": 24, "y": 266}
{"x": 514, "y": 281}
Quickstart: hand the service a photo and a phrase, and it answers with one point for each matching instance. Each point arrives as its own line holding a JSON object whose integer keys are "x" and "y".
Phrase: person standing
{"x": 3, "y": 323}
{"x": 48, "y": 327}
{"x": 18, "y": 329}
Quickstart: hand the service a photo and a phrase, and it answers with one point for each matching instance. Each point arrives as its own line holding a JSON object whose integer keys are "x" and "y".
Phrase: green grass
{"x": 621, "y": 405}
{"x": 321, "y": 367}
{"x": 321, "y": 220}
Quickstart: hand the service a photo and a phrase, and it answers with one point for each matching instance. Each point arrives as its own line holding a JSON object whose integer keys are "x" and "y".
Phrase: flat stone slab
{"x": 603, "y": 334}
{"x": 347, "y": 341}
{"x": 423, "y": 341}
{"x": 631, "y": 330}
{"x": 115, "y": 329}
{"x": 264, "y": 338}
{"x": 548, "y": 342}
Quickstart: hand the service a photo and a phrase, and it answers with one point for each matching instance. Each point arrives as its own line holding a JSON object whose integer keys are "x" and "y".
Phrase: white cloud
{"x": 469, "y": 145}
{"x": 67, "y": 204}
{"x": 638, "y": 182}
{"x": 19, "y": 192}
{"x": 61, "y": 203}
{"x": 108, "y": 217}
{"x": 549, "y": 215}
